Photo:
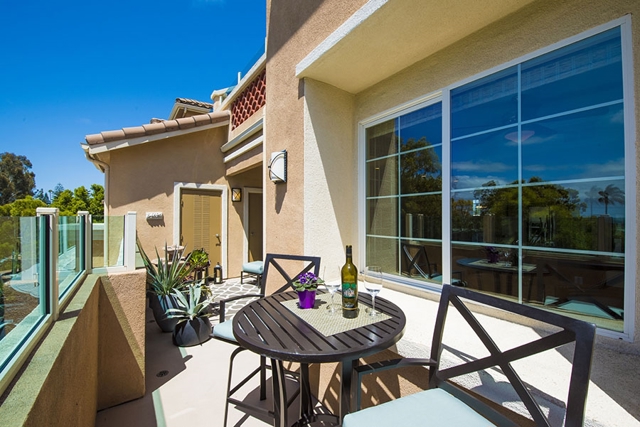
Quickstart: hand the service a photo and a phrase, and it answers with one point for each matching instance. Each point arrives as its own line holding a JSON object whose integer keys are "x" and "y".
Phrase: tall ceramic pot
{"x": 192, "y": 332}
{"x": 159, "y": 306}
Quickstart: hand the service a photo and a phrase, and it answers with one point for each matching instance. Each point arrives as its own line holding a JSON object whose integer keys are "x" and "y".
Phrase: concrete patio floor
{"x": 186, "y": 386}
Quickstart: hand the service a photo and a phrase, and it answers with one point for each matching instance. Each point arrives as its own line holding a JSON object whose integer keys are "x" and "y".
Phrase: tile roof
{"x": 195, "y": 103}
{"x": 157, "y": 126}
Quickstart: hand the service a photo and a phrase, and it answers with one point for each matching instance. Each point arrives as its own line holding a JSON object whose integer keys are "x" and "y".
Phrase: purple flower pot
{"x": 306, "y": 299}
{"x": 493, "y": 258}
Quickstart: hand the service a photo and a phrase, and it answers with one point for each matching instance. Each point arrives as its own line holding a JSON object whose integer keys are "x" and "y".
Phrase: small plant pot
{"x": 159, "y": 306}
{"x": 192, "y": 332}
{"x": 306, "y": 299}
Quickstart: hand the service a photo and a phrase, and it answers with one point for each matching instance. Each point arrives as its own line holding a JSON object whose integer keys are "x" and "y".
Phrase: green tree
{"x": 16, "y": 178}
{"x": 26, "y": 206}
{"x": 96, "y": 201}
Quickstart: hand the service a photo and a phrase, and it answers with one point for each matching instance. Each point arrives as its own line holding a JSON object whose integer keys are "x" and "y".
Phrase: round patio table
{"x": 268, "y": 328}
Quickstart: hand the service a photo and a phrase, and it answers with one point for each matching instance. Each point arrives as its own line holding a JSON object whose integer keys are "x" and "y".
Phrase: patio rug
{"x": 328, "y": 324}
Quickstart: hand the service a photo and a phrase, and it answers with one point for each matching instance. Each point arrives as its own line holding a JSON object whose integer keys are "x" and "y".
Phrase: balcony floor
{"x": 186, "y": 386}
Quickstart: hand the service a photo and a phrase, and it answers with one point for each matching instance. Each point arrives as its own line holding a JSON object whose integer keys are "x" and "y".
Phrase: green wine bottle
{"x": 349, "y": 275}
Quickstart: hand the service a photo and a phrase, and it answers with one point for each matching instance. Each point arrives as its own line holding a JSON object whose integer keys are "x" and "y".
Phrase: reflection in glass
{"x": 382, "y": 177}
{"x": 19, "y": 276}
{"x": 381, "y": 140}
{"x": 485, "y": 104}
{"x": 382, "y": 217}
{"x": 421, "y": 170}
{"x": 420, "y": 128}
{"x": 490, "y": 157}
{"x": 583, "y": 216}
{"x": 384, "y": 252}
{"x": 422, "y": 217}
{"x": 69, "y": 248}
{"x": 488, "y": 215}
{"x": 584, "y": 286}
{"x": 588, "y": 144}
{"x": 582, "y": 74}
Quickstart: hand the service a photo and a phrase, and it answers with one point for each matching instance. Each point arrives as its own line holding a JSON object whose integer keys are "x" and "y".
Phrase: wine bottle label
{"x": 349, "y": 296}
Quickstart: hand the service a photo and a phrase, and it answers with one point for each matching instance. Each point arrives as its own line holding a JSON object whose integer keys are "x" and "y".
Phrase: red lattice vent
{"x": 249, "y": 101}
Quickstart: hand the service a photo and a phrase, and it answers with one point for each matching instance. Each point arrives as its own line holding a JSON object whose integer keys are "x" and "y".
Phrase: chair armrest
{"x": 224, "y": 301}
{"x": 385, "y": 365}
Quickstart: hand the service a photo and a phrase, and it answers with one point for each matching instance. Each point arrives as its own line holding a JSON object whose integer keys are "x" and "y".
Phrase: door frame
{"x": 177, "y": 196}
{"x": 245, "y": 222}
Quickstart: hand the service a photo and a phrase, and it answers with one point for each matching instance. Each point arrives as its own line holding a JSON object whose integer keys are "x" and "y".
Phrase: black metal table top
{"x": 267, "y": 327}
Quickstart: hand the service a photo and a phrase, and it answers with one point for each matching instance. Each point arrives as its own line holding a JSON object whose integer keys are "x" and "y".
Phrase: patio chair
{"x": 418, "y": 260}
{"x": 286, "y": 267}
{"x": 253, "y": 269}
{"x": 449, "y": 404}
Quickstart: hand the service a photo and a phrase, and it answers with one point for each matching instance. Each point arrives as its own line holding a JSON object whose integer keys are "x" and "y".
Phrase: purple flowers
{"x": 307, "y": 281}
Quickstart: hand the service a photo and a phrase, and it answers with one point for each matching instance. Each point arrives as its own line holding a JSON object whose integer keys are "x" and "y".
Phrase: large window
{"x": 537, "y": 193}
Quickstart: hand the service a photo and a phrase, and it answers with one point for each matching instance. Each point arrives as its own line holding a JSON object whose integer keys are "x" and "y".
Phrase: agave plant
{"x": 167, "y": 275}
{"x": 190, "y": 304}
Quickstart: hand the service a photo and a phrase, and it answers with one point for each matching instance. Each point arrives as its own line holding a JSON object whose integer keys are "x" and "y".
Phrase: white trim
{"x": 354, "y": 21}
{"x": 177, "y": 195}
{"x": 124, "y": 143}
{"x": 245, "y": 220}
{"x": 630, "y": 157}
{"x": 130, "y": 241}
{"x": 256, "y": 127}
{"x": 250, "y": 146}
{"x": 404, "y": 108}
{"x": 445, "y": 245}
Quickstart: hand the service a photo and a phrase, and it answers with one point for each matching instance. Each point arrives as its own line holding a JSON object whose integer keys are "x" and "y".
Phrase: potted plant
{"x": 193, "y": 326}
{"x": 164, "y": 278}
{"x": 199, "y": 261}
{"x": 306, "y": 285}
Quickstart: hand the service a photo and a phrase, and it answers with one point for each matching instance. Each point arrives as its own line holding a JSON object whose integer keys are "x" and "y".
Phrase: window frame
{"x": 444, "y": 96}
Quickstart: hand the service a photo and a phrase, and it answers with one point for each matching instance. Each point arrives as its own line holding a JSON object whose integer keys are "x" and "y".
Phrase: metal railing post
{"x": 86, "y": 236}
{"x": 48, "y": 262}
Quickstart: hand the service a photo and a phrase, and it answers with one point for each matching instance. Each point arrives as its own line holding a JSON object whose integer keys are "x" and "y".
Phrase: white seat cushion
{"x": 434, "y": 407}
{"x": 255, "y": 267}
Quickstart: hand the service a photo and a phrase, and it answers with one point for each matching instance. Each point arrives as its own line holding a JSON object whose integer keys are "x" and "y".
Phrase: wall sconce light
{"x": 278, "y": 166}
{"x": 236, "y": 194}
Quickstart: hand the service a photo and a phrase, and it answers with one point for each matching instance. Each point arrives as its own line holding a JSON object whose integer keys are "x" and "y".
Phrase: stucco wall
{"x": 92, "y": 358}
{"x": 331, "y": 175}
{"x": 293, "y": 30}
{"x": 142, "y": 179}
{"x": 534, "y": 27}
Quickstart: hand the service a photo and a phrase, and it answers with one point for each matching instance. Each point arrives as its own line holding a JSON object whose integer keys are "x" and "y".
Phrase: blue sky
{"x": 73, "y": 68}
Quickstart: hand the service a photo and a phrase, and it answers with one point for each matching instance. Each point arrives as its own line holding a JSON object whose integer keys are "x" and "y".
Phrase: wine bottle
{"x": 349, "y": 276}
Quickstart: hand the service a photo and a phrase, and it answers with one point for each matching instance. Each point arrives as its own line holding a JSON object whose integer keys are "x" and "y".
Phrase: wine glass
{"x": 507, "y": 258}
{"x": 373, "y": 284}
{"x": 332, "y": 287}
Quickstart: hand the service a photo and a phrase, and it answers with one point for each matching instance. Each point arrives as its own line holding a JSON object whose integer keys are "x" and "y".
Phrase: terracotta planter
{"x": 192, "y": 332}
{"x": 306, "y": 299}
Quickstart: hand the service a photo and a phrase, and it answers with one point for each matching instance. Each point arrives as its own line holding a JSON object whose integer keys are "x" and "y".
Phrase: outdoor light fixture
{"x": 278, "y": 166}
{"x": 236, "y": 194}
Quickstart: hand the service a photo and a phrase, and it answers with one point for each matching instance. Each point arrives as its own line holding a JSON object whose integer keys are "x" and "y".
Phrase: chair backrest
{"x": 571, "y": 330}
{"x": 417, "y": 259}
{"x": 289, "y": 268}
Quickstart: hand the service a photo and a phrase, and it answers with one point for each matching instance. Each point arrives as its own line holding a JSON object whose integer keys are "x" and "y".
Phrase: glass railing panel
{"x": 70, "y": 249}
{"x": 21, "y": 295}
{"x": 108, "y": 241}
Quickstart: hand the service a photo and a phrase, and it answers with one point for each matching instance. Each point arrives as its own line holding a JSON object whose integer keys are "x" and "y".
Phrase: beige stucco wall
{"x": 293, "y": 30}
{"x": 92, "y": 358}
{"x": 331, "y": 175}
{"x": 142, "y": 178}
